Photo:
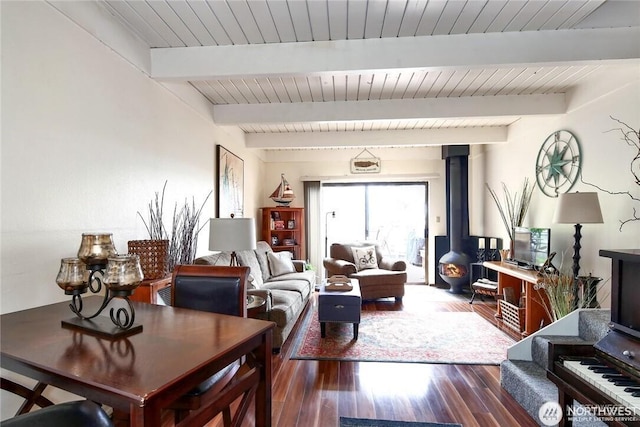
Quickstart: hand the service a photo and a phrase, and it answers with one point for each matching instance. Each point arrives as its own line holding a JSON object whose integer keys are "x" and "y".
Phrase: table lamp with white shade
{"x": 232, "y": 234}
{"x": 578, "y": 208}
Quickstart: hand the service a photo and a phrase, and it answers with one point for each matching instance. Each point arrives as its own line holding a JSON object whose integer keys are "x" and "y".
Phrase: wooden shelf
{"x": 271, "y": 235}
{"x": 148, "y": 290}
{"x": 522, "y": 282}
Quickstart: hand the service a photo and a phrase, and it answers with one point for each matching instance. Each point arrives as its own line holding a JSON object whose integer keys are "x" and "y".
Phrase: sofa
{"x": 285, "y": 288}
{"x": 378, "y": 276}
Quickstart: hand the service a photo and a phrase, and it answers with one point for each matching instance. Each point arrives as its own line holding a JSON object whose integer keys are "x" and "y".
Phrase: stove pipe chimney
{"x": 454, "y": 265}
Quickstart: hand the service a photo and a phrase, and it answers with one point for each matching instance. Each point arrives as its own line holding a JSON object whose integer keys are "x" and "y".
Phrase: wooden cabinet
{"x": 530, "y": 300}
{"x": 283, "y": 228}
{"x": 148, "y": 290}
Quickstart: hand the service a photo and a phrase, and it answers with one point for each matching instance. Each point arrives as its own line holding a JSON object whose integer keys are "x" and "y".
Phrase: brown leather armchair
{"x": 387, "y": 280}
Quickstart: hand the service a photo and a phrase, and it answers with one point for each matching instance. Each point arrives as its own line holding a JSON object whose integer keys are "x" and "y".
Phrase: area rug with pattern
{"x": 400, "y": 336}
{"x": 363, "y": 422}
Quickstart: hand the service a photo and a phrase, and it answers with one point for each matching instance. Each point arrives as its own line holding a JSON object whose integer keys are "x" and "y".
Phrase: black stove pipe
{"x": 457, "y": 171}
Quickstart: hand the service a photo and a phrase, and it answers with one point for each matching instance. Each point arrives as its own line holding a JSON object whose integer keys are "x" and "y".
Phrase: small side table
{"x": 255, "y": 305}
{"x": 148, "y": 290}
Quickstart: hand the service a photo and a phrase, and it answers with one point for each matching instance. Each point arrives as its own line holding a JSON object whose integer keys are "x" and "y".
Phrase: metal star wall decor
{"x": 559, "y": 163}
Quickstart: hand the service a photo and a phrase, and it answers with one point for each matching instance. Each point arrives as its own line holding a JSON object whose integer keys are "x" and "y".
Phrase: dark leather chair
{"x": 215, "y": 289}
{"x": 71, "y": 414}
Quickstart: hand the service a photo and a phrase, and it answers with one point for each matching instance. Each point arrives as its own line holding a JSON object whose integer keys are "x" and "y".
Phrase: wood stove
{"x": 454, "y": 266}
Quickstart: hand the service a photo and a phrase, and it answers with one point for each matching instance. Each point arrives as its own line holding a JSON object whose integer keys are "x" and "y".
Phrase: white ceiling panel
{"x": 210, "y": 22}
{"x": 261, "y": 14}
{"x": 374, "y": 18}
{"x": 448, "y": 17}
{"x": 319, "y": 17}
{"x": 471, "y": 55}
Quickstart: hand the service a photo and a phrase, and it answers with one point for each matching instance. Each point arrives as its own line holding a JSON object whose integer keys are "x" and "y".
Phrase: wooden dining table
{"x": 139, "y": 374}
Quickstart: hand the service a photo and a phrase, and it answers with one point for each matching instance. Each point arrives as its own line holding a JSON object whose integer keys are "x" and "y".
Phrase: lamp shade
{"x": 232, "y": 234}
{"x": 578, "y": 208}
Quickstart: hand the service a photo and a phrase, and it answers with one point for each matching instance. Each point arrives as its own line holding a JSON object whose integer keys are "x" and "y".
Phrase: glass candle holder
{"x": 95, "y": 249}
{"x": 72, "y": 277}
{"x": 123, "y": 274}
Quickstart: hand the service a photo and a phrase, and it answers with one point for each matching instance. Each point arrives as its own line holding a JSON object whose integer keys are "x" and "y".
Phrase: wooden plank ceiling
{"x": 304, "y": 66}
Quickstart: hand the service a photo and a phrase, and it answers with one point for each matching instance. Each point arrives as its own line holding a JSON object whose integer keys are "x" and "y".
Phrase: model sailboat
{"x": 283, "y": 195}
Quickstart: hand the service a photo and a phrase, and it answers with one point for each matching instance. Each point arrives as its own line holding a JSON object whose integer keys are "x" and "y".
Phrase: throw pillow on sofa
{"x": 248, "y": 259}
{"x": 365, "y": 257}
{"x": 280, "y": 263}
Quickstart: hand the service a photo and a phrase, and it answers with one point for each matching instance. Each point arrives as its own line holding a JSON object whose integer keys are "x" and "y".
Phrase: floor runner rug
{"x": 362, "y": 422}
{"x": 400, "y": 336}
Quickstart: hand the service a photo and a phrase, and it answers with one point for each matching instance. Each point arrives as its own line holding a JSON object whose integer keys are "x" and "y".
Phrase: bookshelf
{"x": 283, "y": 229}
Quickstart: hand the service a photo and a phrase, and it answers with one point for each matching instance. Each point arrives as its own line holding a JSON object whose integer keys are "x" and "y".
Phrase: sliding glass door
{"x": 392, "y": 214}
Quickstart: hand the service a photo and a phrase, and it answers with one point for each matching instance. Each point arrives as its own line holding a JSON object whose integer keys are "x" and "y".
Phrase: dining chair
{"x": 70, "y": 414}
{"x": 216, "y": 289}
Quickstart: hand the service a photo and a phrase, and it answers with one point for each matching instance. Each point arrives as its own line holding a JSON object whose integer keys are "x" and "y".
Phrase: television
{"x": 531, "y": 246}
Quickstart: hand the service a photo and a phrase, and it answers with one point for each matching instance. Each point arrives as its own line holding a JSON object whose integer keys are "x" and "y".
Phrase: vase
{"x": 153, "y": 256}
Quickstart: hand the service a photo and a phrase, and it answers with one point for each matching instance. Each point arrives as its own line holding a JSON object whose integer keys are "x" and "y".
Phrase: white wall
{"x": 87, "y": 140}
{"x": 606, "y": 160}
{"x": 397, "y": 164}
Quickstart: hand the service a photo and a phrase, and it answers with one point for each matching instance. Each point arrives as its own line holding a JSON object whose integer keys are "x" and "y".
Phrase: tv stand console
{"x": 529, "y": 301}
{"x": 520, "y": 265}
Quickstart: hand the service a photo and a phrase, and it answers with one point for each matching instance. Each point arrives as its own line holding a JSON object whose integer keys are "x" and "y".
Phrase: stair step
{"x": 540, "y": 347}
{"x": 527, "y": 382}
{"x": 593, "y": 325}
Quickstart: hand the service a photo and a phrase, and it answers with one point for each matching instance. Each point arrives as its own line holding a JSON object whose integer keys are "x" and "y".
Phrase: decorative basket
{"x": 153, "y": 256}
{"x": 512, "y": 315}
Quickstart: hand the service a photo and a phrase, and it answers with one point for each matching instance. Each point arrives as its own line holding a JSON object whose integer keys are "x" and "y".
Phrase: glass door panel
{"x": 392, "y": 214}
{"x": 397, "y": 214}
{"x": 348, "y": 203}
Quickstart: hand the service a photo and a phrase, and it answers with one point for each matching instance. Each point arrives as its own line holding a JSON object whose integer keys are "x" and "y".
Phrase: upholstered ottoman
{"x": 340, "y": 307}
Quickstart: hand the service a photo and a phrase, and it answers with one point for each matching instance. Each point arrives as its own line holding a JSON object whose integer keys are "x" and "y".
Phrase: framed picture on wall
{"x": 229, "y": 184}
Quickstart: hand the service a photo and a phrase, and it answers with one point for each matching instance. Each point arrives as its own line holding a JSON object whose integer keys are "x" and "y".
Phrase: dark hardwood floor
{"x": 316, "y": 393}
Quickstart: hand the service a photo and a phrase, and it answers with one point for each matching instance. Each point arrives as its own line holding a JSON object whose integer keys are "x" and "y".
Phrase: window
{"x": 392, "y": 214}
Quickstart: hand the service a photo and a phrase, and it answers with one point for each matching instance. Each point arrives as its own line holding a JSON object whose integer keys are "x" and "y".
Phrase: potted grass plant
{"x": 561, "y": 293}
{"x": 180, "y": 240}
{"x": 154, "y": 251}
{"x": 512, "y": 207}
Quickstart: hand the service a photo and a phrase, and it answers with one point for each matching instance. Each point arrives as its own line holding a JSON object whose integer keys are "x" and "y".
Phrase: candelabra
{"x": 481, "y": 255}
{"x": 98, "y": 263}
